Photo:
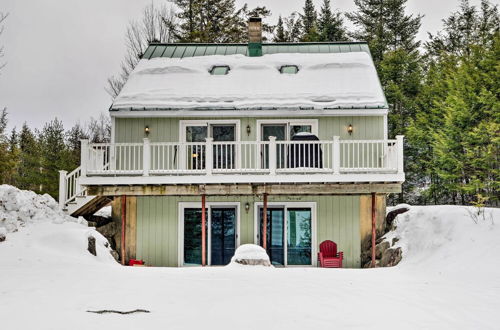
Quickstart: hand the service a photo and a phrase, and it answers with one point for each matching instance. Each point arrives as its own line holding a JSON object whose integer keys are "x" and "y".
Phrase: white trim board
{"x": 287, "y": 205}
{"x": 197, "y": 205}
{"x": 246, "y": 113}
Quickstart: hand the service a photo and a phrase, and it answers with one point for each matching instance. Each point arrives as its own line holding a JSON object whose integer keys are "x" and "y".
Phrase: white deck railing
{"x": 242, "y": 157}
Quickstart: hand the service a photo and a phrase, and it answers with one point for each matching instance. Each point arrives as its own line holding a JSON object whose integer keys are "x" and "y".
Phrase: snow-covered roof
{"x": 324, "y": 81}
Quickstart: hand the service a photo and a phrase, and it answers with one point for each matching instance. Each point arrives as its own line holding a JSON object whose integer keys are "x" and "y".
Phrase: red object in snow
{"x": 328, "y": 256}
{"x": 132, "y": 262}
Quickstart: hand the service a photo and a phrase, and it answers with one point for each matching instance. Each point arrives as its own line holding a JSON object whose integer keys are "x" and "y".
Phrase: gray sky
{"x": 59, "y": 53}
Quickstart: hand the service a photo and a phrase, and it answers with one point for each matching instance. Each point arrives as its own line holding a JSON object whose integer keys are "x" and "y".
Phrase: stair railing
{"x": 69, "y": 187}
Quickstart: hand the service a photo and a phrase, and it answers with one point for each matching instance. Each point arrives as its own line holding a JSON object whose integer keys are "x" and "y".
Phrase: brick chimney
{"x": 255, "y": 36}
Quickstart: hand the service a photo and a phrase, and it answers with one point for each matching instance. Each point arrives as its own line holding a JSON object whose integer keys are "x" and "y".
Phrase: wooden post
{"x": 203, "y": 231}
{"x": 272, "y": 155}
{"x": 264, "y": 223}
{"x": 146, "y": 157}
{"x": 336, "y": 154}
{"x": 209, "y": 156}
{"x": 124, "y": 217}
{"x": 374, "y": 230}
{"x": 84, "y": 157}
{"x": 400, "y": 153}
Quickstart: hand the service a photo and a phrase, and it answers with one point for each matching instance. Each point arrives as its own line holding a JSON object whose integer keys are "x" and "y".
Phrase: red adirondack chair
{"x": 328, "y": 256}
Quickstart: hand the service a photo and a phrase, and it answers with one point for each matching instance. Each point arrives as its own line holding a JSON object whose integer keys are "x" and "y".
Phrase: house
{"x": 218, "y": 145}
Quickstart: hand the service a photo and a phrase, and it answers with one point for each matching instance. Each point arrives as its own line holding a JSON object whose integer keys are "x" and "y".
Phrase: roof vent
{"x": 255, "y": 36}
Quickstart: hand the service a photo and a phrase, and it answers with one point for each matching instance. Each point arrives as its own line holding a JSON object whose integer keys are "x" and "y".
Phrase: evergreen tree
{"x": 280, "y": 31}
{"x": 309, "y": 22}
{"x": 13, "y": 158}
{"x": 464, "y": 28}
{"x": 385, "y": 26}
{"x": 4, "y": 146}
{"x": 29, "y": 167}
{"x": 74, "y": 136}
{"x": 55, "y": 156}
{"x": 330, "y": 25}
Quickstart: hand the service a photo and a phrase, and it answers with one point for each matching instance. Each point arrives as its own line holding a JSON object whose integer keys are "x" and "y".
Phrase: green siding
{"x": 338, "y": 219}
{"x": 167, "y": 129}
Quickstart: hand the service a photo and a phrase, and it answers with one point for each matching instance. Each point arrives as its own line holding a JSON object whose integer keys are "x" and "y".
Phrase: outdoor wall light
{"x": 247, "y": 207}
{"x": 146, "y": 130}
{"x": 249, "y": 130}
{"x": 350, "y": 129}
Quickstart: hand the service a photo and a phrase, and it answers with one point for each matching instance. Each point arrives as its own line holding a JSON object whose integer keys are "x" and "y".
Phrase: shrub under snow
{"x": 250, "y": 254}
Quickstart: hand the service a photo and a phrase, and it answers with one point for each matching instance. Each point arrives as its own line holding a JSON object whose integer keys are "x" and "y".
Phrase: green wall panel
{"x": 167, "y": 129}
{"x": 337, "y": 218}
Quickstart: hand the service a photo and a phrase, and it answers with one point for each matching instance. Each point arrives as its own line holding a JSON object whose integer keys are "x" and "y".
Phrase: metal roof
{"x": 189, "y": 50}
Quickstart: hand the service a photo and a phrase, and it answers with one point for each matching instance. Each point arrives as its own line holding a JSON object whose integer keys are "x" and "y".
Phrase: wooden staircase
{"x": 87, "y": 205}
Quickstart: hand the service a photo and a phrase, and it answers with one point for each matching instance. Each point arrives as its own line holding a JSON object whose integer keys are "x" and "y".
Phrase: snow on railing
{"x": 243, "y": 157}
{"x": 69, "y": 187}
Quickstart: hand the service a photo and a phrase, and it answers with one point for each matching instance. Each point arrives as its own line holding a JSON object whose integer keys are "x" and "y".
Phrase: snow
{"x": 250, "y": 252}
{"x": 449, "y": 278}
{"x": 335, "y": 80}
{"x": 105, "y": 212}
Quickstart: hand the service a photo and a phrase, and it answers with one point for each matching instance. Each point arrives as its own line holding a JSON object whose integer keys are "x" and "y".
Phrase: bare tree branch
{"x": 157, "y": 25}
{"x": 3, "y": 17}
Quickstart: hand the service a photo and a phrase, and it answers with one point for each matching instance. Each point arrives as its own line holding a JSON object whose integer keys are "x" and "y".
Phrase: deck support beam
{"x": 264, "y": 223}
{"x": 203, "y": 230}
{"x": 124, "y": 217}
{"x": 374, "y": 230}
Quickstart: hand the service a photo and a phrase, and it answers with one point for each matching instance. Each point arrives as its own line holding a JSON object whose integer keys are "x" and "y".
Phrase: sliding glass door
{"x": 220, "y": 231}
{"x": 289, "y": 235}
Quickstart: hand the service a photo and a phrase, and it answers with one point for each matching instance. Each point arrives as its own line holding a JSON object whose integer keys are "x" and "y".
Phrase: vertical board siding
{"x": 337, "y": 219}
{"x": 131, "y": 130}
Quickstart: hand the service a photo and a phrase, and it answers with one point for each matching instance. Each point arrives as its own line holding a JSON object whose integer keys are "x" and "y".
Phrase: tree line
{"x": 443, "y": 94}
{"x": 31, "y": 159}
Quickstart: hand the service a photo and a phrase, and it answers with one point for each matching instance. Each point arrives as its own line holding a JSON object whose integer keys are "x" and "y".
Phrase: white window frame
{"x": 209, "y": 205}
{"x": 183, "y": 124}
{"x": 286, "y": 206}
{"x": 288, "y": 122}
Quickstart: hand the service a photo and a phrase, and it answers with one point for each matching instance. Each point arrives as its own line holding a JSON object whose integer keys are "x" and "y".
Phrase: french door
{"x": 223, "y": 153}
{"x": 289, "y": 235}
{"x": 221, "y": 235}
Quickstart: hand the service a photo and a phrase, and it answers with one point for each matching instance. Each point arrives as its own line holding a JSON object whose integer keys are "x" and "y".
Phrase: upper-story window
{"x": 219, "y": 70}
{"x": 289, "y": 69}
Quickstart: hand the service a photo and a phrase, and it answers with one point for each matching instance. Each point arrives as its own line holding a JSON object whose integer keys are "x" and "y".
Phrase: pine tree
{"x": 280, "y": 31}
{"x": 330, "y": 25}
{"x": 74, "y": 137}
{"x": 55, "y": 156}
{"x": 464, "y": 28}
{"x": 385, "y": 26}
{"x": 4, "y": 146}
{"x": 309, "y": 22}
{"x": 29, "y": 174}
{"x": 13, "y": 158}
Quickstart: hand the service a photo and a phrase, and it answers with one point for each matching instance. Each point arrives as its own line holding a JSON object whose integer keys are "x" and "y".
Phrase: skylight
{"x": 219, "y": 70}
{"x": 289, "y": 69}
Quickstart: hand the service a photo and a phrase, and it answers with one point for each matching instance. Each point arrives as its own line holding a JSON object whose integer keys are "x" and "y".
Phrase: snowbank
{"x": 250, "y": 254}
{"x": 342, "y": 80}
{"x": 440, "y": 238}
{"x": 19, "y": 208}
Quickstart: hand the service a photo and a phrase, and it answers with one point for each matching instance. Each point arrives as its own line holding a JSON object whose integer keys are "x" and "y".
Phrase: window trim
{"x": 289, "y": 65}
{"x": 211, "y": 71}
{"x": 288, "y": 122}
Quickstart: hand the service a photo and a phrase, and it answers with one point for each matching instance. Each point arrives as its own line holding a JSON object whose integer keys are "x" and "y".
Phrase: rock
{"x": 391, "y": 216}
{"x": 395, "y": 240}
{"x": 91, "y": 246}
{"x": 92, "y": 224}
{"x": 3, "y": 237}
{"x": 115, "y": 255}
{"x": 381, "y": 248}
{"x": 108, "y": 230}
{"x": 391, "y": 257}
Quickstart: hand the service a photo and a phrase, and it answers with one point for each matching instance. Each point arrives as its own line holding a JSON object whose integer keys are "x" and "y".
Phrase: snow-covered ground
{"x": 449, "y": 279}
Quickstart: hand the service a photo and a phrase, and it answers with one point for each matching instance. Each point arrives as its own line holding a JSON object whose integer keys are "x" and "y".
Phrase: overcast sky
{"x": 59, "y": 53}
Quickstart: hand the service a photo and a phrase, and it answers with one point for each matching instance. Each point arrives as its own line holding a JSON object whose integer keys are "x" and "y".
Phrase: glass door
{"x": 224, "y": 154}
{"x": 220, "y": 231}
{"x": 289, "y": 235}
{"x": 222, "y": 235}
{"x": 195, "y": 151}
{"x": 275, "y": 235}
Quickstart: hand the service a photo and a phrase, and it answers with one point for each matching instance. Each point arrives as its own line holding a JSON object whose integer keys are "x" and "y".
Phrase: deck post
{"x": 374, "y": 230}
{"x": 84, "y": 153}
{"x": 264, "y": 223}
{"x": 209, "y": 156}
{"x": 336, "y": 154}
{"x": 62, "y": 188}
{"x": 146, "y": 157}
{"x": 124, "y": 222}
{"x": 400, "y": 149}
{"x": 203, "y": 231}
{"x": 272, "y": 155}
